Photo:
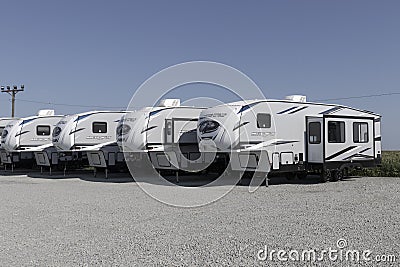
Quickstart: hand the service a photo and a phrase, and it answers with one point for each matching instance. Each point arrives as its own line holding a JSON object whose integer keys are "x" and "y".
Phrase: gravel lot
{"x": 85, "y": 221}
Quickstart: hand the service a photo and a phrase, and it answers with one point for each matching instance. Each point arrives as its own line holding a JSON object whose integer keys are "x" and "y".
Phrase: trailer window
{"x": 263, "y": 120}
{"x": 336, "y": 132}
{"x": 99, "y": 127}
{"x": 360, "y": 132}
{"x": 314, "y": 132}
{"x": 43, "y": 130}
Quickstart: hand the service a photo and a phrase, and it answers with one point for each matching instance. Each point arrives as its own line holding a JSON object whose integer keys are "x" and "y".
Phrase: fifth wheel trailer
{"x": 166, "y": 134}
{"x": 108, "y": 155}
{"x": 3, "y": 124}
{"x": 21, "y": 138}
{"x": 292, "y": 137}
{"x": 75, "y": 135}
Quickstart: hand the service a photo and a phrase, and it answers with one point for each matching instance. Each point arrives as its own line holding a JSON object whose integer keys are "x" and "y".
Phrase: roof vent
{"x": 46, "y": 112}
{"x": 296, "y": 98}
{"x": 169, "y": 103}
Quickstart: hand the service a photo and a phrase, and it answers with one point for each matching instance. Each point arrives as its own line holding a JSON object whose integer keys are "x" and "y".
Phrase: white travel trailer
{"x": 106, "y": 156}
{"x": 75, "y": 135}
{"x": 22, "y": 137}
{"x": 166, "y": 134}
{"x": 292, "y": 137}
{"x": 3, "y": 124}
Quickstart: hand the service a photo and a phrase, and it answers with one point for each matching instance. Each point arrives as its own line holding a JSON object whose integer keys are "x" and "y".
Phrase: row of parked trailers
{"x": 292, "y": 137}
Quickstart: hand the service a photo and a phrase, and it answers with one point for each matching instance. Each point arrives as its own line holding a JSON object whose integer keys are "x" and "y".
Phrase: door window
{"x": 314, "y": 132}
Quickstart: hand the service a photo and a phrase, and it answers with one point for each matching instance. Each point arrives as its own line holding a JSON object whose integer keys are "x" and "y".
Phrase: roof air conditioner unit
{"x": 46, "y": 112}
{"x": 296, "y": 98}
{"x": 169, "y": 103}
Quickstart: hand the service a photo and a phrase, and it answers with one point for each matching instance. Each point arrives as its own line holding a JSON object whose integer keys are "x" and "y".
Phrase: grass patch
{"x": 390, "y": 166}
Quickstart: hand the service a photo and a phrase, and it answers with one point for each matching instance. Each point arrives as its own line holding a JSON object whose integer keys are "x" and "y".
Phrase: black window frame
{"x": 46, "y": 133}
{"x": 97, "y": 124}
{"x": 344, "y": 132}
{"x": 319, "y": 136}
{"x": 269, "y": 120}
{"x": 354, "y": 132}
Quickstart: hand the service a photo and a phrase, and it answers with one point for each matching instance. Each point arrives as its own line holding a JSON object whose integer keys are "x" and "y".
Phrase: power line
{"x": 12, "y": 91}
{"x": 68, "y": 105}
{"x": 113, "y": 107}
{"x": 363, "y": 96}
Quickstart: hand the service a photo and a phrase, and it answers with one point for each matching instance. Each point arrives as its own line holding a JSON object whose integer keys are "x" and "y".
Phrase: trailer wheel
{"x": 302, "y": 175}
{"x": 341, "y": 174}
{"x": 326, "y": 176}
{"x": 290, "y": 175}
{"x": 345, "y": 173}
{"x": 334, "y": 176}
{"x": 337, "y": 175}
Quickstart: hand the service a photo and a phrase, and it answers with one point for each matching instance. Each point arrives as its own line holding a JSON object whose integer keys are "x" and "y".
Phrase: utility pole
{"x": 12, "y": 92}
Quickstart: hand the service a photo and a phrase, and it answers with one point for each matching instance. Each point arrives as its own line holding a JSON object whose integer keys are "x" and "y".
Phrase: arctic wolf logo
{"x": 98, "y": 137}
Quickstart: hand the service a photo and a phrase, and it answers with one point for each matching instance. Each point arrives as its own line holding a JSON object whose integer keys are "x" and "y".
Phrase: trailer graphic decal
{"x": 77, "y": 130}
{"x": 331, "y": 110}
{"x": 148, "y": 129}
{"x": 26, "y": 121}
{"x": 297, "y": 110}
{"x": 286, "y": 110}
{"x": 240, "y": 125}
{"x": 340, "y": 152}
{"x": 246, "y": 107}
{"x": 21, "y": 133}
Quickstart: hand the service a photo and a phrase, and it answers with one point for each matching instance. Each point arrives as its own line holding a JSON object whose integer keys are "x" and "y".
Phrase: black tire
{"x": 345, "y": 173}
{"x": 302, "y": 175}
{"x": 337, "y": 175}
{"x": 290, "y": 176}
{"x": 326, "y": 176}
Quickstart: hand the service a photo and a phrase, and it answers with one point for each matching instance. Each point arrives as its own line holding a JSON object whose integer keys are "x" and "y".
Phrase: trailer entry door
{"x": 315, "y": 140}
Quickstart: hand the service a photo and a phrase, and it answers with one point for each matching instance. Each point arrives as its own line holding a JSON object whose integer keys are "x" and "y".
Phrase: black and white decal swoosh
{"x": 292, "y": 110}
{"x": 284, "y": 142}
{"x": 340, "y": 152}
{"x": 297, "y": 110}
{"x": 287, "y": 110}
{"x": 331, "y": 110}
{"x": 77, "y": 130}
{"x": 148, "y": 129}
{"x": 359, "y": 154}
{"x": 21, "y": 133}
{"x": 240, "y": 125}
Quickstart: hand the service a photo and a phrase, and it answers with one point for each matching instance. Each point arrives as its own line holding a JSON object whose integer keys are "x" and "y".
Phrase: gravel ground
{"x": 82, "y": 221}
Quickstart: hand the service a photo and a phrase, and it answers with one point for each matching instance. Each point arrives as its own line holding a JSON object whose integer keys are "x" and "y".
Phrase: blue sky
{"x": 98, "y": 52}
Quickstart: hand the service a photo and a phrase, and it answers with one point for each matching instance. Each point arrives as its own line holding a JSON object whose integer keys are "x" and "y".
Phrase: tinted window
{"x": 263, "y": 120}
{"x": 43, "y": 130}
{"x": 314, "y": 132}
{"x": 99, "y": 127}
{"x": 360, "y": 132}
{"x": 336, "y": 132}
